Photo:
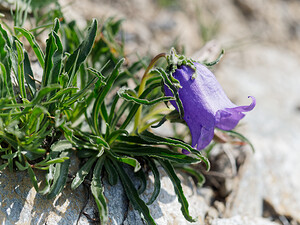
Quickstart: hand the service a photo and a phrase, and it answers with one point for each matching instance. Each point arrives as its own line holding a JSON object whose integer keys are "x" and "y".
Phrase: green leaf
{"x": 80, "y": 94}
{"x": 97, "y": 191}
{"x": 3, "y": 166}
{"x": 51, "y": 47}
{"x": 29, "y": 75}
{"x": 143, "y": 181}
{"x": 167, "y": 81}
{"x": 178, "y": 189}
{"x": 215, "y": 61}
{"x": 133, "y": 195}
{"x": 60, "y": 176}
{"x": 48, "y": 179}
{"x": 99, "y": 100}
{"x": 33, "y": 178}
{"x": 157, "y": 184}
{"x": 20, "y": 166}
{"x": 10, "y": 156}
{"x": 199, "y": 177}
{"x": 82, "y": 173}
{"x": 126, "y": 93}
{"x": 111, "y": 172}
{"x": 93, "y": 139}
{"x": 112, "y": 110}
{"x": 135, "y": 107}
{"x": 35, "y": 46}
{"x": 43, "y": 92}
{"x": 130, "y": 161}
{"x": 19, "y": 69}
{"x": 83, "y": 50}
{"x": 151, "y": 151}
{"x": 115, "y": 134}
{"x": 56, "y": 60}
{"x": 61, "y": 146}
{"x": 155, "y": 139}
{"x": 63, "y": 92}
{"x": 240, "y": 136}
{"x": 5, "y": 36}
{"x": 56, "y": 160}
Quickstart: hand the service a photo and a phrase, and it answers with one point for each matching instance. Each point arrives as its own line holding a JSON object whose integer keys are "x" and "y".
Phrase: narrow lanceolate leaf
{"x": 167, "y": 81}
{"x": 3, "y": 166}
{"x": 43, "y": 92}
{"x": 115, "y": 134}
{"x": 51, "y": 47}
{"x": 61, "y": 146}
{"x": 99, "y": 100}
{"x": 5, "y": 36}
{"x": 112, "y": 110}
{"x": 48, "y": 179}
{"x": 157, "y": 184}
{"x": 19, "y": 69}
{"x": 20, "y": 166}
{"x": 56, "y": 60}
{"x": 155, "y": 139}
{"x": 29, "y": 75}
{"x": 83, "y": 50}
{"x": 157, "y": 152}
{"x": 133, "y": 195}
{"x": 34, "y": 45}
{"x": 135, "y": 107}
{"x": 57, "y": 160}
{"x": 199, "y": 177}
{"x": 178, "y": 189}
{"x": 130, "y": 161}
{"x": 126, "y": 94}
{"x": 60, "y": 176}
{"x": 111, "y": 172}
{"x": 83, "y": 172}
{"x": 63, "y": 92}
{"x": 215, "y": 61}
{"x": 240, "y": 136}
{"x": 80, "y": 93}
{"x": 93, "y": 139}
{"x": 143, "y": 181}
{"x": 97, "y": 191}
{"x": 33, "y": 178}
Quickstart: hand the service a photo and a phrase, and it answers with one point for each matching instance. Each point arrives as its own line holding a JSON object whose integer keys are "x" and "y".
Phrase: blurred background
{"x": 262, "y": 50}
{"x": 262, "y": 44}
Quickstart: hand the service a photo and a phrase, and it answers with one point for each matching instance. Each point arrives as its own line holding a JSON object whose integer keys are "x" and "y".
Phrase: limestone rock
{"x": 242, "y": 220}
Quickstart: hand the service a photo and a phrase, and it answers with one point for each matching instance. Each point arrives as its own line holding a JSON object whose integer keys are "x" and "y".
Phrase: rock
{"x": 20, "y": 204}
{"x": 272, "y": 127}
{"x": 242, "y": 220}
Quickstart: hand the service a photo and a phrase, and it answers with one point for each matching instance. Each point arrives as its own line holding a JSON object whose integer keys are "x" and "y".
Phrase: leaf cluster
{"x": 78, "y": 108}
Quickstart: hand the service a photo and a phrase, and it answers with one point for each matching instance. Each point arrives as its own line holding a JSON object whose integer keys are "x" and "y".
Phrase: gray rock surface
{"x": 273, "y": 125}
{"x": 242, "y": 220}
{"x": 20, "y": 204}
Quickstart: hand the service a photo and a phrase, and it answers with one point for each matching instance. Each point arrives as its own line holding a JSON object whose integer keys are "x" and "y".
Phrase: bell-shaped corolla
{"x": 205, "y": 104}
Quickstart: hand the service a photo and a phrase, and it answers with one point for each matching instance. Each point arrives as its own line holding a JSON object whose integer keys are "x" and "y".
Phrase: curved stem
{"x": 143, "y": 84}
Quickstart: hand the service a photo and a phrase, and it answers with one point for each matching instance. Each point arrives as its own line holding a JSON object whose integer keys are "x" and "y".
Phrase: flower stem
{"x": 142, "y": 87}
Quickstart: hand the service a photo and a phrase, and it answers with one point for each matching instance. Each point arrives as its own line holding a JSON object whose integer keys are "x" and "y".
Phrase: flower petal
{"x": 228, "y": 118}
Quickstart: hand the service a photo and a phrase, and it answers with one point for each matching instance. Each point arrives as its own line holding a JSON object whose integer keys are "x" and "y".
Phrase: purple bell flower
{"x": 205, "y": 104}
